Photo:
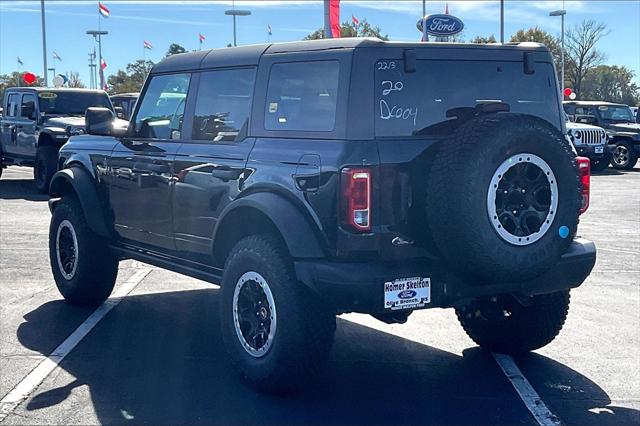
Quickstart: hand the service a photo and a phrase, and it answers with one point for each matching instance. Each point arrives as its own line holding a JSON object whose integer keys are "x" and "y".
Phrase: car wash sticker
{"x": 407, "y": 293}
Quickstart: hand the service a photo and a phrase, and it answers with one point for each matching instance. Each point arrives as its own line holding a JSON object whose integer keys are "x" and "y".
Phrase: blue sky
{"x": 162, "y": 22}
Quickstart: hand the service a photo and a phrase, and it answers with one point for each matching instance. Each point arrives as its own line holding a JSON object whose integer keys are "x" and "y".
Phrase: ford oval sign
{"x": 443, "y": 25}
{"x": 407, "y": 294}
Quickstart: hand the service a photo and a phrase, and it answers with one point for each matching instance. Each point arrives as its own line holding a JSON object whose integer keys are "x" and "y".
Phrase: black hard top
{"x": 55, "y": 89}
{"x": 250, "y": 55}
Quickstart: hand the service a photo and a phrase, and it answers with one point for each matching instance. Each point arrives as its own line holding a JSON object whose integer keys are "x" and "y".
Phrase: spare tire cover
{"x": 503, "y": 198}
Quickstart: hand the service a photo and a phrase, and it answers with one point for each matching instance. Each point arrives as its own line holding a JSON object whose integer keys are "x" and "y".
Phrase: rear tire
{"x": 624, "y": 156}
{"x": 524, "y": 329}
{"x": 283, "y": 344}
{"x": 83, "y": 266}
{"x": 45, "y": 167}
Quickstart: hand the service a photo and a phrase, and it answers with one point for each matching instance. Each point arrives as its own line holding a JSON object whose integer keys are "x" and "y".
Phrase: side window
{"x": 12, "y": 105}
{"x": 223, "y": 104}
{"x": 302, "y": 96}
{"x": 28, "y": 107}
{"x": 162, "y": 110}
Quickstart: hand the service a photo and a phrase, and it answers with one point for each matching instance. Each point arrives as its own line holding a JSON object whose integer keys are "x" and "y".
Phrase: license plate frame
{"x": 598, "y": 149}
{"x": 407, "y": 293}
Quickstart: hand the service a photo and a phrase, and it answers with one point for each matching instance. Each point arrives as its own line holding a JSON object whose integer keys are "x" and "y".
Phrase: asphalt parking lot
{"x": 157, "y": 357}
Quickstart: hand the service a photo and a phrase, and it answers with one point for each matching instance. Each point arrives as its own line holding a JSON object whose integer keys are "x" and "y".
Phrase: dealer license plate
{"x": 599, "y": 149}
{"x": 407, "y": 293}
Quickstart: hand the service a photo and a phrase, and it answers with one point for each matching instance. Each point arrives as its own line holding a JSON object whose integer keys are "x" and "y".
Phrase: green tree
{"x": 484, "y": 40}
{"x": 581, "y": 53}
{"x": 15, "y": 80}
{"x": 538, "y": 35}
{"x": 349, "y": 29}
{"x": 611, "y": 83}
{"x": 174, "y": 49}
{"x": 131, "y": 79}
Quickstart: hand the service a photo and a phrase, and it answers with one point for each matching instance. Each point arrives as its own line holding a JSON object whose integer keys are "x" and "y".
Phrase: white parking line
{"x": 543, "y": 416}
{"x": 32, "y": 380}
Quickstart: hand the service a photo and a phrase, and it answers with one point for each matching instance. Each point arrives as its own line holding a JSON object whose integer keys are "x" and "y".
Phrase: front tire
{"x": 45, "y": 167}
{"x": 83, "y": 266}
{"x": 502, "y": 324}
{"x": 624, "y": 156}
{"x": 276, "y": 331}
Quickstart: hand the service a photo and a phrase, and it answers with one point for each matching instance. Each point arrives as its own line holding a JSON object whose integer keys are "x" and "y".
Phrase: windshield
{"x": 617, "y": 113}
{"x": 441, "y": 90}
{"x": 71, "y": 103}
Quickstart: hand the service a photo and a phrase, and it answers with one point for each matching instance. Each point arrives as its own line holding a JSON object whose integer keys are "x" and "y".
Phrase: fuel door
{"x": 307, "y": 175}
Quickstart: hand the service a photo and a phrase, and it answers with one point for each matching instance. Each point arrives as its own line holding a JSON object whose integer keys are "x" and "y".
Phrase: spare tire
{"x": 503, "y": 198}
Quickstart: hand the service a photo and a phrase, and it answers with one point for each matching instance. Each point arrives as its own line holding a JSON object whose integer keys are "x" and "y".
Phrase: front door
{"x": 210, "y": 168}
{"x": 8, "y": 127}
{"x": 26, "y": 126}
{"x": 141, "y": 165}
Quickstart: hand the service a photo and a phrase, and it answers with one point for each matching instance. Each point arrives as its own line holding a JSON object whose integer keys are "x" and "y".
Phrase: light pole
{"x": 561, "y": 14}
{"x": 236, "y": 12}
{"x": 502, "y": 21}
{"x": 44, "y": 43}
{"x": 97, "y": 34}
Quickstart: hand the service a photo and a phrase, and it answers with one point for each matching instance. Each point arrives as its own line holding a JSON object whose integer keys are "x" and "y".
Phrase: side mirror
{"x": 119, "y": 112}
{"x": 99, "y": 121}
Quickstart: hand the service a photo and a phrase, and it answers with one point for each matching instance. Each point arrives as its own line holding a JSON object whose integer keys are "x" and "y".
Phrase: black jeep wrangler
{"x": 619, "y": 122}
{"x": 38, "y": 121}
{"x": 315, "y": 178}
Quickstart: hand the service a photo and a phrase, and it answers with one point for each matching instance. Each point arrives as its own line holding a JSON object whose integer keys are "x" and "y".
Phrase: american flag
{"x": 20, "y": 61}
{"x": 56, "y": 56}
{"x": 147, "y": 45}
{"x": 103, "y": 64}
{"x": 269, "y": 31}
{"x": 103, "y": 10}
{"x": 201, "y": 38}
{"x": 355, "y": 20}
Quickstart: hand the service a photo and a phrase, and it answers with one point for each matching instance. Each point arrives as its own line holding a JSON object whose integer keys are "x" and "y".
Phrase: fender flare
{"x": 82, "y": 184}
{"x": 296, "y": 230}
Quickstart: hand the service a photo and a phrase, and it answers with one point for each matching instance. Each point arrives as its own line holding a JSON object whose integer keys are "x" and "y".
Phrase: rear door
{"x": 141, "y": 165}
{"x": 210, "y": 167}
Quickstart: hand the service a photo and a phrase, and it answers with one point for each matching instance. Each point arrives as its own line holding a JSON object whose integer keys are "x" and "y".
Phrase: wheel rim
{"x": 254, "y": 314}
{"x": 522, "y": 199}
{"x": 67, "y": 249}
{"x": 621, "y": 155}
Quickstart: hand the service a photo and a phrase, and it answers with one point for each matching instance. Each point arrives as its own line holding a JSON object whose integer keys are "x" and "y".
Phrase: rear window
{"x": 71, "y": 103}
{"x": 302, "y": 96}
{"x": 412, "y": 103}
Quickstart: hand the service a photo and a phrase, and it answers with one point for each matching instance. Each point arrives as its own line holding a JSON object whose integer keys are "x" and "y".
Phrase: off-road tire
{"x": 525, "y": 329}
{"x": 599, "y": 165}
{"x": 96, "y": 267}
{"x": 45, "y": 167}
{"x": 457, "y": 198}
{"x": 305, "y": 326}
{"x": 632, "y": 156}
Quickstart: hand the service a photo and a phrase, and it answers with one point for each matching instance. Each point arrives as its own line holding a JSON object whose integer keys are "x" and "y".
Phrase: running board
{"x": 190, "y": 269}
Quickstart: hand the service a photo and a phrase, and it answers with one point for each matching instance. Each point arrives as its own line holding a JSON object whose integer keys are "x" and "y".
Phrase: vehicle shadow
{"x": 20, "y": 189}
{"x": 158, "y": 359}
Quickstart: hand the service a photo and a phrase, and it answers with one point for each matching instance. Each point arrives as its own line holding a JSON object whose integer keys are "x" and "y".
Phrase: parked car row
{"x": 617, "y": 120}
{"x": 36, "y": 121}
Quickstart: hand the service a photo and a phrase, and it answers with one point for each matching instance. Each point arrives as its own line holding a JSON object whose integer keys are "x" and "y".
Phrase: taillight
{"x": 584, "y": 170}
{"x": 356, "y": 199}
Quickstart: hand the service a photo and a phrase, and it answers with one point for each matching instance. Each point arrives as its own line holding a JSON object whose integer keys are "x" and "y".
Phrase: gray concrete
{"x": 157, "y": 358}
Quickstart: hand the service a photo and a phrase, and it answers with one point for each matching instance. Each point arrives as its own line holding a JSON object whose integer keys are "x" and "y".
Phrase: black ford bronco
{"x": 619, "y": 122}
{"x": 38, "y": 121}
{"x": 316, "y": 178}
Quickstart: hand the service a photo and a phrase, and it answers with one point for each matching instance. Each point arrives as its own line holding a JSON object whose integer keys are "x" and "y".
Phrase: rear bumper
{"x": 358, "y": 286}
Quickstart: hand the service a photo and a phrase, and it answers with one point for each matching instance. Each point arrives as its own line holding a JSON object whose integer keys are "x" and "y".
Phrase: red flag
{"x": 201, "y": 37}
{"x": 103, "y": 10}
{"x": 147, "y": 45}
{"x": 103, "y": 64}
{"x": 355, "y": 20}
{"x": 334, "y": 18}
